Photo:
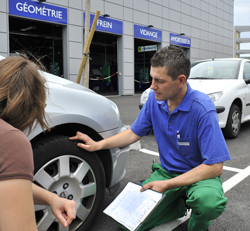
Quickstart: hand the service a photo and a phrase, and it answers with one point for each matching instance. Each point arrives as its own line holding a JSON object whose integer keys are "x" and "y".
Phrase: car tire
{"x": 232, "y": 128}
{"x": 70, "y": 172}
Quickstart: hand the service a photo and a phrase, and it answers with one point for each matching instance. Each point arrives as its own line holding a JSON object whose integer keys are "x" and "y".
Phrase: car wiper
{"x": 196, "y": 77}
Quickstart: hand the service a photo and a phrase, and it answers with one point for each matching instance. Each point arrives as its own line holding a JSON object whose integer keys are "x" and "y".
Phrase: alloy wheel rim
{"x": 69, "y": 177}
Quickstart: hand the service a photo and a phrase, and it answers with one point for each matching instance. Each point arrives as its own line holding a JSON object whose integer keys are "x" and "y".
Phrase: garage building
{"x": 128, "y": 32}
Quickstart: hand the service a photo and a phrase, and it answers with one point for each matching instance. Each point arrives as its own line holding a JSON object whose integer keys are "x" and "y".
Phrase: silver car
{"x": 65, "y": 169}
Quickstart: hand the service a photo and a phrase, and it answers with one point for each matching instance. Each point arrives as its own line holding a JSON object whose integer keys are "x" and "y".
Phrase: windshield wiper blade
{"x": 199, "y": 77}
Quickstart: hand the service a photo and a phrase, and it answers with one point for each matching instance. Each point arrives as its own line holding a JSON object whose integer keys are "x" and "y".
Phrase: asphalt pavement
{"x": 236, "y": 176}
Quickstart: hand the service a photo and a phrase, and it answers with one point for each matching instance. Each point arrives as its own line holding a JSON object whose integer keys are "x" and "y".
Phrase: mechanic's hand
{"x": 64, "y": 210}
{"x": 159, "y": 186}
{"x": 88, "y": 144}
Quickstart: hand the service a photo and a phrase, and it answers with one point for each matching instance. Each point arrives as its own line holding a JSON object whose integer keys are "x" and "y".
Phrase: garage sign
{"x": 144, "y": 32}
{"x": 180, "y": 40}
{"x": 147, "y": 48}
{"x": 36, "y": 10}
{"x": 106, "y": 24}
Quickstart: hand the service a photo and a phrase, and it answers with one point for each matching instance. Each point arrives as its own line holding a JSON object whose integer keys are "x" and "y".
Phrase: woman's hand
{"x": 64, "y": 210}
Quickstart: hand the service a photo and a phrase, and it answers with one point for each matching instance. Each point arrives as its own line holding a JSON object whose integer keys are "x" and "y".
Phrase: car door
{"x": 246, "y": 77}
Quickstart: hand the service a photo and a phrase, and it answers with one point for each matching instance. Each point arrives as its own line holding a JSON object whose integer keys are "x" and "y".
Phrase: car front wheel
{"x": 70, "y": 172}
{"x": 232, "y": 128}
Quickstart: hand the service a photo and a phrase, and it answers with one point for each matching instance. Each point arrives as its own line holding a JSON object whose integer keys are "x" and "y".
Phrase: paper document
{"x": 131, "y": 207}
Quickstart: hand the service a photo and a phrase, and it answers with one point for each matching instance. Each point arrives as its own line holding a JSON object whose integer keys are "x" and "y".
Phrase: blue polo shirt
{"x": 187, "y": 137}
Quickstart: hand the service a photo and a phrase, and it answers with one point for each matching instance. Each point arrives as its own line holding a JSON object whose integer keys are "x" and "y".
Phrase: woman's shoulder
{"x": 10, "y": 134}
{"x": 16, "y": 156}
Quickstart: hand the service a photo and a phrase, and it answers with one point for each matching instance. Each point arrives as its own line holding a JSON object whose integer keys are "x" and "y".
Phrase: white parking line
{"x": 232, "y": 169}
{"x": 236, "y": 179}
{"x": 157, "y": 154}
{"x": 149, "y": 152}
{"x": 227, "y": 185}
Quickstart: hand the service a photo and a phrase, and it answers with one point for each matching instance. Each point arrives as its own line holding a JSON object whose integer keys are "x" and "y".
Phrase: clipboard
{"x": 131, "y": 207}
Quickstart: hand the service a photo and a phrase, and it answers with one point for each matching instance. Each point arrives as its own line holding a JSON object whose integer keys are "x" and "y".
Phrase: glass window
{"x": 215, "y": 69}
{"x": 246, "y": 73}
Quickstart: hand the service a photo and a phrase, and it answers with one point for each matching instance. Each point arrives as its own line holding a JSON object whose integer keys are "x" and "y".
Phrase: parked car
{"x": 65, "y": 169}
{"x": 227, "y": 82}
{"x": 144, "y": 97}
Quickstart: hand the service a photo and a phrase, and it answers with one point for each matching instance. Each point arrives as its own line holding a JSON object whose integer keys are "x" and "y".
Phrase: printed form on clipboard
{"x": 131, "y": 207}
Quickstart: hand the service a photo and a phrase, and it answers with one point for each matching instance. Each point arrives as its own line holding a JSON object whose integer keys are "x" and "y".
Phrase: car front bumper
{"x": 220, "y": 109}
{"x": 119, "y": 158}
{"x": 222, "y": 113}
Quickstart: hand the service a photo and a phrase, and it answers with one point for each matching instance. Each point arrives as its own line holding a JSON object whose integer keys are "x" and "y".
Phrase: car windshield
{"x": 215, "y": 69}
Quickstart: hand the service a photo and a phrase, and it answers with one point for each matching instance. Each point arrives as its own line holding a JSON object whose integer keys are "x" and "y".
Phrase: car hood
{"x": 77, "y": 103}
{"x": 52, "y": 79}
{"x": 209, "y": 86}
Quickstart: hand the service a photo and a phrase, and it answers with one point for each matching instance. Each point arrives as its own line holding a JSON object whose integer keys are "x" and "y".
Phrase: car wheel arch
{"x": 233, "y": 123}
{"x": 70, "y": 130}
{"x": 238, "y": 102}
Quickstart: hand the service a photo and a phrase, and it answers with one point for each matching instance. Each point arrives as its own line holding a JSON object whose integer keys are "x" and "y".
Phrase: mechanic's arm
{"x": 63, "y": 209}
{"x": 17, "y": 206}
{"x": 121, "y": 139}
{"x": 201, "y": 172}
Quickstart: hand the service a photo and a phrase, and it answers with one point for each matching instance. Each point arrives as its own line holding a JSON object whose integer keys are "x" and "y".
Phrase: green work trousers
{"x": 205, "y": 198}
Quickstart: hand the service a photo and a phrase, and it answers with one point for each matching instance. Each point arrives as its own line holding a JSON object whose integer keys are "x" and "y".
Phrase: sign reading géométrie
{"x": 36, "y": 10}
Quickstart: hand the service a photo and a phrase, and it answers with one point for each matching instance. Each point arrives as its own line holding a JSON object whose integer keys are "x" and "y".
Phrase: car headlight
{"x": 215, "y": 96}
{"x": 116, "y": 109}
{"x": 144, "y": 96}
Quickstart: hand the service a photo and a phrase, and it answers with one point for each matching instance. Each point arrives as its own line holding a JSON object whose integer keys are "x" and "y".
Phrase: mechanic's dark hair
{"x": 22, "y": 93}
{"x": 174, "y": 59}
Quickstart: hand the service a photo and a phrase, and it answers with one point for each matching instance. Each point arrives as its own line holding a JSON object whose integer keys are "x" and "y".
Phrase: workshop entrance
{"x": 40, "y": 41}
{"x": 143, "y": 51}
{"x": 103, "y": 76}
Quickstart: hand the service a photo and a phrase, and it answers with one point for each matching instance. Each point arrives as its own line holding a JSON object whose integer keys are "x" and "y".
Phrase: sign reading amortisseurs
{"x": 180, "y": 40}
{"x": 36, "y": 10}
